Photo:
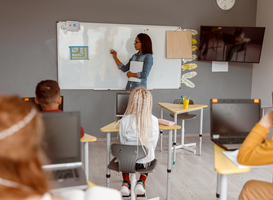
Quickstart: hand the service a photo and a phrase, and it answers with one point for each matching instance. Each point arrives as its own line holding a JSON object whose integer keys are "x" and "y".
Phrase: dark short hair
{"x": 146, "y": 43}
{"x": 47, "y": 92}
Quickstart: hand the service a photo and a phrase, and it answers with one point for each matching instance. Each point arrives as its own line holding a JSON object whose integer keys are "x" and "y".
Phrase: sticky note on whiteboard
{"x": 219, "y": 66}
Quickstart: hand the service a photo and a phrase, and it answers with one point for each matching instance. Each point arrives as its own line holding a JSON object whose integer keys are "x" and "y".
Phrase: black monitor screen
{"x": 62, "y": 136}
{"x": 230, "y": 44}
{"x": 233, "y": 116}
{"x": 121, "y": 103}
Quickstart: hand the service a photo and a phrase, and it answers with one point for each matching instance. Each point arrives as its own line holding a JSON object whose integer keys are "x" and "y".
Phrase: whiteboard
{"x": 100, "y": 71}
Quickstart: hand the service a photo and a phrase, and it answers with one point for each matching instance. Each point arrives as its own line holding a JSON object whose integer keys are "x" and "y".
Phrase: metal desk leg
{"x": 174, "y": 139}
{"x": 200, "y": 133}
{"x": 161, "y": 135}
{"x": 108, "y": 140}
{"x": 86, "y": 161}
{"x": 223, "y": 187}
{"x": 218, "y": 186}
{"x": 182, "y": 144}
{"x": 161, "y": 132}
{"x": 169, "y": 168}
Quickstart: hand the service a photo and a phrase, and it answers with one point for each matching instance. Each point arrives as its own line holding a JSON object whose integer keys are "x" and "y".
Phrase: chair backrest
{"x": 180, "y": 101}
{"x": 127, "y": 156}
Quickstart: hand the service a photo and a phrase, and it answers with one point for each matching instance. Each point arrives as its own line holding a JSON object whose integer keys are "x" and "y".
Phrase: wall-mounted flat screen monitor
{"x": 231, "y": 44}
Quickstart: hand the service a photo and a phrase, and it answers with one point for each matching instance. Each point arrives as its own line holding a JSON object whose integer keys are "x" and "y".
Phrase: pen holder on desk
{"x": 186, "y": 103}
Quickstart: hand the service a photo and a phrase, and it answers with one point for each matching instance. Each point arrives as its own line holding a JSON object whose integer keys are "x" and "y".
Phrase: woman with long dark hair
{"x": 143, "y": 44}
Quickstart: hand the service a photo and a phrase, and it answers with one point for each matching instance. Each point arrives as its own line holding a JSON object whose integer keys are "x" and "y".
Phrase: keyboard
{"x": 65, "y": 173}
{"x": 231, "y": 140}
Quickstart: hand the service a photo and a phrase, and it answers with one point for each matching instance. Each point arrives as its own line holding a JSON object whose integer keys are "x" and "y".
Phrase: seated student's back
{"x": 21, "y": 153}
{"x": 48, "y": 96}
{"x": 22, "y": 156}
{"x": 139, "y": 126}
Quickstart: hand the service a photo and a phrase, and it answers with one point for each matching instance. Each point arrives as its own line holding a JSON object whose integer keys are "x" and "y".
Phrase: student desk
{"x": 114, "y": 127}
{"x": 177, "y": 109}
{"x": 90, "y": 184}
{"x": 223, "y": 166}
{"x": 85, "y": 139}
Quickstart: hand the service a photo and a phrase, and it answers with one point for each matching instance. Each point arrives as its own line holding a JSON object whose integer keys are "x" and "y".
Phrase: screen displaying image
{"x": 230, "y": 44}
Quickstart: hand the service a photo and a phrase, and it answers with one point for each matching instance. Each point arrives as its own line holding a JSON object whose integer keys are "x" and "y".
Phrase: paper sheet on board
{"x": 232, "y": 155}
{"x": 219, "y": 66}
{"x": 135, "y": 67}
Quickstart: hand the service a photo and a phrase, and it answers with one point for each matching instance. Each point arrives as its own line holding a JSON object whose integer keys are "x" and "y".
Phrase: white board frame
{"x": 100, "y": 72}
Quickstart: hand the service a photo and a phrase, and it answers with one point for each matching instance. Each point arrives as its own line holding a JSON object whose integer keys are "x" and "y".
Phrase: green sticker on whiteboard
{"x": 79, "y": 53}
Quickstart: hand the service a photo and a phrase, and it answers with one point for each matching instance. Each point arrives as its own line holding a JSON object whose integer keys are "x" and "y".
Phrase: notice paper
{"x": 219, "y": 66}
{"x": 135, "y": 67}
{"x": 232, "y": 155}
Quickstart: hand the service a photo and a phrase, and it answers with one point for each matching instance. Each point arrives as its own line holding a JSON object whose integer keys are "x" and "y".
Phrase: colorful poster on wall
{"x": 79, "y": 53}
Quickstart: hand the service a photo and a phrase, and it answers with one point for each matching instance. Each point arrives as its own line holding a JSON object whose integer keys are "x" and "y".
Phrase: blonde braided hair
{"x": 140, "y": 105}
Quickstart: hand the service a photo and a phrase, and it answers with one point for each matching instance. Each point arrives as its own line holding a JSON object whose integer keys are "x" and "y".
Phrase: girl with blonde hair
{"x": 139, "y": 126}
{"x": 21, "y": 155}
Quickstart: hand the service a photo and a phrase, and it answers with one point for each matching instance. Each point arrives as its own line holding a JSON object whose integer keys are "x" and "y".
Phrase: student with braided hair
{"x": 139, "y": 126}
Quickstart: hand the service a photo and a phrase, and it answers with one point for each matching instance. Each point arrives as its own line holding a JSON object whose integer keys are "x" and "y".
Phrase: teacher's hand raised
{"x": 113, "y": 52}
{"x": 143, "y": 44}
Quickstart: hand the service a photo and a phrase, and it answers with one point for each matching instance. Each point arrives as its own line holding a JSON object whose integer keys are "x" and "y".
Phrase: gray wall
{"x": 28, "y": 50}
{"x": 262, "y": 84}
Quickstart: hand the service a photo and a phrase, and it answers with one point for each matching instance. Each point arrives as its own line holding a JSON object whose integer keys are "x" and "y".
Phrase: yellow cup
{"x": 186, "y": 103}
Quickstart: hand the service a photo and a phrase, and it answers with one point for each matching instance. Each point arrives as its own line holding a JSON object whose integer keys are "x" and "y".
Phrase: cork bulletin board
{"x": 179, "y": 44}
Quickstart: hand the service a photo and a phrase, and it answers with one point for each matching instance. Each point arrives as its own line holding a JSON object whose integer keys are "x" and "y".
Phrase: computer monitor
{"x": 32, "y": 101}
{"x": 121, "y": 103}
{"x": 234, "y": 117}
{"x": 62, "y": 133}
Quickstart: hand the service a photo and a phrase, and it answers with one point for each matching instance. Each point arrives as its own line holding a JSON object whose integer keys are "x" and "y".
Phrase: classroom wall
{"x": 28, "y": 50}
{"x": 262, "y": 81}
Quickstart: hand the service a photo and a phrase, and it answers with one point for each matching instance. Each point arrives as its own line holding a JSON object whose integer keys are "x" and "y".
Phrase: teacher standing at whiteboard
{"x": 143, "y": 44}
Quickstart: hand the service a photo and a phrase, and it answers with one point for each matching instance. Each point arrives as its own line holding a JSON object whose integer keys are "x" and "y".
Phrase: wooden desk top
{"x": 88, "y": 138}
{"x": 114, "y": 127}
{"x": 90, "y": 184}
{"x": 223, "y": 165}
{"x": 178, "y": 108}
